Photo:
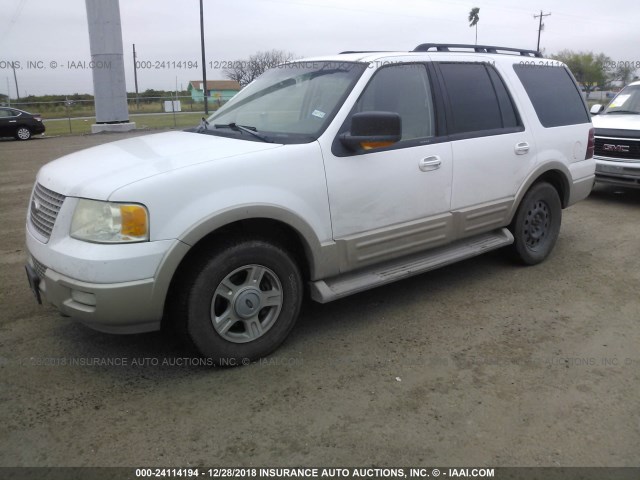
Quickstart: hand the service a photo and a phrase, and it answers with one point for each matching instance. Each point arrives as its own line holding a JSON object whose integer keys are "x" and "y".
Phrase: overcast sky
{"x": 164, "y": 30}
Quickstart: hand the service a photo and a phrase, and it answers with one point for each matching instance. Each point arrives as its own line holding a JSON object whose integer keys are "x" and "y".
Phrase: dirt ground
{"x": 484, "y": 363}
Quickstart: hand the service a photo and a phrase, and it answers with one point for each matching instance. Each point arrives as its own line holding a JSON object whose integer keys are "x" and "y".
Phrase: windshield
{"x": 292, "y": 103}
{"x": 627, "y": 101}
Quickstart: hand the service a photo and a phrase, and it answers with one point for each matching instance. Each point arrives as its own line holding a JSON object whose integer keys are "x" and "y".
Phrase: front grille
{"x": 38, "y": 267}
{"x": 45, "y": 205}
{"x": 618, "y": 148}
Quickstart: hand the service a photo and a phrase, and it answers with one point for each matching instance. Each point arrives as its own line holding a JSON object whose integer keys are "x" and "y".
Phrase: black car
{"x": 19, "y": 124}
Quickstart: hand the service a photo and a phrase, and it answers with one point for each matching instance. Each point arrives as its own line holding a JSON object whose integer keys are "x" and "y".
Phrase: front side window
{"x": 292, "y": 103}
{"x": 405, "y": 90}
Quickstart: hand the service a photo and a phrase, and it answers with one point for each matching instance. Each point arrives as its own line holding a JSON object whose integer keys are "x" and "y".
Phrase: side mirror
{"x": 596, "y": 109}
{"x": 372, "y": 130}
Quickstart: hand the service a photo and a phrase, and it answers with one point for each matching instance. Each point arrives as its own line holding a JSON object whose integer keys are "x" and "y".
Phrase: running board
{"x": 324, "y": 291}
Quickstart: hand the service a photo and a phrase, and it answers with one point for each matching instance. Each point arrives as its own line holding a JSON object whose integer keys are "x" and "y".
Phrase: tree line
{"x": 597, "y": 70}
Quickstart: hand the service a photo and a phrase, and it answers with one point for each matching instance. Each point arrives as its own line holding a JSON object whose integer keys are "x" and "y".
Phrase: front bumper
{"x": 125, "y": 307}
{"x": 621, "y": 173}
{"x": 110, "y": 288}
{"x": 37, "y": 128}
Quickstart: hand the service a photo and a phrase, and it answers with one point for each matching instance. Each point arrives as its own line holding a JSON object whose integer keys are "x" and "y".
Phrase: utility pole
{"x": 540, "y": 26}
{"x": 15, "y": 79}
{"x": 204, "y": 64}
{"x": 8, "y": 93}
{"x": 135, "y": 75}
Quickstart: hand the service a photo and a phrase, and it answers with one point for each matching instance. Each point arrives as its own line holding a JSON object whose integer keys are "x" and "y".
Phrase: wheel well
{"x": 257, "y": 228}
{"x": 558, "y": 180}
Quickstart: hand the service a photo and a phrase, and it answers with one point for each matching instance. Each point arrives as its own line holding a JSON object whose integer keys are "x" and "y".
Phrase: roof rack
{"x": 346, "y": 52}
{"x": 444, "y": 47}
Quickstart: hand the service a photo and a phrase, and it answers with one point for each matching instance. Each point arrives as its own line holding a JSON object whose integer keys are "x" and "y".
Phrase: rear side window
{"x": 554, "y": 95}
{"x": 478, "y": 98}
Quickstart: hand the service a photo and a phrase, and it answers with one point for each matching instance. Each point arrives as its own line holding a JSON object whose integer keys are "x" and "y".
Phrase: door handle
{"x": 521, "y": 148}
{"x": 12, "y": 121}
{"x": 430, "y": 163}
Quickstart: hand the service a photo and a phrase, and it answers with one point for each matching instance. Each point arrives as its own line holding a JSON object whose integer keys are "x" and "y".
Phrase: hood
{"x": 616, "y": 121}
{"x": 96, "y": 172}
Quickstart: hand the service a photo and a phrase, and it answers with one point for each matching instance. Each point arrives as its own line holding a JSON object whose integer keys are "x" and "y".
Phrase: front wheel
{"x": 536, "y": 226}
{"x": 240, "y": 303}
{"x": 23, "y": 133}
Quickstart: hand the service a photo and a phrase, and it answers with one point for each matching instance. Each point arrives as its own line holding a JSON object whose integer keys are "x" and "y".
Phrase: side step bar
{"x": 324, "y": 291}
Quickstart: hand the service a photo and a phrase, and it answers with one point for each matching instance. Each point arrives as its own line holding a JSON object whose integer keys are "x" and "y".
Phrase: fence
{"x": 86, "y": 108}
{"x": 62, "y": 117}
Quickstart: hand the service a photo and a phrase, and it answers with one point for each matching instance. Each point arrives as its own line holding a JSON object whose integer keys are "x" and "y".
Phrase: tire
{"x": 536, "y": 226}
{"x": 23, "y": 133}
{"x": 239, "y": 303}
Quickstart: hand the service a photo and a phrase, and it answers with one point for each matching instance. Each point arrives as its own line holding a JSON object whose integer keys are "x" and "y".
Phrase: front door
{"x": 390, "y": 202}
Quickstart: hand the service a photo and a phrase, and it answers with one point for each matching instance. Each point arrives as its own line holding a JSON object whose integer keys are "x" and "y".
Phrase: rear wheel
{"x": 240, "y": 302}
{"x": 23, "y": 133}
{"x": 536, "y": 226}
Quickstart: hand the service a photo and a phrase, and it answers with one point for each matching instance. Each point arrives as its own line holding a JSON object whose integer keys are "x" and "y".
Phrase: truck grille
{"x": 45, "y": 205}
{"x": 618, "y": 148}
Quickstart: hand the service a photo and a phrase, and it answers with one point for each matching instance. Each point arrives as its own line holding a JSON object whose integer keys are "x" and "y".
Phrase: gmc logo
{"x": 610, "y": 147}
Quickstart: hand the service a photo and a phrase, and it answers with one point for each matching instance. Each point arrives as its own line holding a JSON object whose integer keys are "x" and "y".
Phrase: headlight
{"x": 106, "y": 222}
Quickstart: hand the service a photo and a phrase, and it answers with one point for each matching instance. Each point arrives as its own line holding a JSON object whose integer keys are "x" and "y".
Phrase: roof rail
{"x": 362, "y": 51}
{"x": 444, "y": 47}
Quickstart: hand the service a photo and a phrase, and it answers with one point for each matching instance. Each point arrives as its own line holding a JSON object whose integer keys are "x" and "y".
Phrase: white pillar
{"x": 109, "y": 87}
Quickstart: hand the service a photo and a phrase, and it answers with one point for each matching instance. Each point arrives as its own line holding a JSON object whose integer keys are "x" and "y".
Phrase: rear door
{"x": 6, "y": 128}
{"x": 492, "y": 150}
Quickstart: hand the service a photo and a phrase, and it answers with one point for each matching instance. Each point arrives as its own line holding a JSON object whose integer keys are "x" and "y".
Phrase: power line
{"x": 14, "y": 19}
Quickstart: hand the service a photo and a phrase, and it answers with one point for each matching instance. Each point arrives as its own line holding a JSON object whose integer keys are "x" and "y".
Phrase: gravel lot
{"x": 483, "y": 363}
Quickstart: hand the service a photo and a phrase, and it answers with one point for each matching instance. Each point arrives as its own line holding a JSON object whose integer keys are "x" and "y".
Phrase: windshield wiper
{"x": 623, "y": 111}
{"x": 204, "y": 125}
{"x": 243, "y": 128}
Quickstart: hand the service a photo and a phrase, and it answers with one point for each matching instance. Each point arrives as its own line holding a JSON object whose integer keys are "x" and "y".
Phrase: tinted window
{"x": 554, "y": 95}
{"x": 405, "y": 90}
{"x": 507, "y": 110}
{"x": 474, "y": 99}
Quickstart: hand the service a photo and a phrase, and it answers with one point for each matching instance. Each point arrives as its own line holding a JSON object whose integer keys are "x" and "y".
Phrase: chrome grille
{"x": 38, "y": 267}
{"x": 45, "y": 205}
{"x": 618, "y": 149}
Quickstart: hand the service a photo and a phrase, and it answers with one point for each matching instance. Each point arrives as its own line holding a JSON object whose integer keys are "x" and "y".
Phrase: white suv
{"x": 617, "y": 150}
{"x": 334, "y": 174}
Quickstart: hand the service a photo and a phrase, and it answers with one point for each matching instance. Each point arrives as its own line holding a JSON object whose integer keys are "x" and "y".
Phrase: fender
{"x": 322, "y": 258}
{"x": 554, "y": 166}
